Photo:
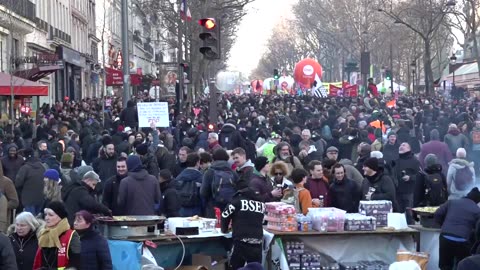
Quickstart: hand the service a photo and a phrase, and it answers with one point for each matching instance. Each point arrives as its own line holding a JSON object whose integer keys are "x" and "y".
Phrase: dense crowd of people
{"x": 311, "y": 152}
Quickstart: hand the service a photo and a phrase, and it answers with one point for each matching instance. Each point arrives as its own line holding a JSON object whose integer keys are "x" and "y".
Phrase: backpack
{"x": 223, "y": 186}
{"x": 293, "y": 199}
{"x": 435, "y": 190}
{"x": 188, "y": 193}
{"x": 226, "y": 141}
{"x": 463, "y": 178}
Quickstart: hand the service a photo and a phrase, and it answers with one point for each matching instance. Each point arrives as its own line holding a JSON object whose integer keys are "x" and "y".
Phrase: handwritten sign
{"x": 153, "y": 112}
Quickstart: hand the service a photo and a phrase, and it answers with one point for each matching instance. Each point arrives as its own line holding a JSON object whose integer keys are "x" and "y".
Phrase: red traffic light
{"x": 208, "y": 23}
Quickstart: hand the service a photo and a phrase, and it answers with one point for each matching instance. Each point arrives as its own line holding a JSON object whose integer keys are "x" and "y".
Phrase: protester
{"x": 460, "y": 176}
{"x": 377, "y": 185}
{"x": 170, "y": 200}
{"x": 344, "y": 193}
{"x": 57, "y": 240}
{"x": 95, "y": 253}
{"x": 24, "y": 238}
{"x": 29, "y": 182}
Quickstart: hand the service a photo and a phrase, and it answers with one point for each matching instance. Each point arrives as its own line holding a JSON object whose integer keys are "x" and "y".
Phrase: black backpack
{"x": 188, "y": 192}
{"x": 223, "y": 186}
{"x": 435, "y": 189}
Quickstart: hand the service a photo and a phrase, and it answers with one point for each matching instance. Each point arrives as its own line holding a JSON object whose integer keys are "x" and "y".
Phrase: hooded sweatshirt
{"x": 139, "y": 193}
{"x": 457, "y": 164}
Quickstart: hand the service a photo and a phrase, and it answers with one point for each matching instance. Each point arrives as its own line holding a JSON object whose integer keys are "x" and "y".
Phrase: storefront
{"x": 69, "y": 81}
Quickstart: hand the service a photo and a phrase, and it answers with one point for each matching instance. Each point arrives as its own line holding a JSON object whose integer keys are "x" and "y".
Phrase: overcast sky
{"x": 254, "y": 31}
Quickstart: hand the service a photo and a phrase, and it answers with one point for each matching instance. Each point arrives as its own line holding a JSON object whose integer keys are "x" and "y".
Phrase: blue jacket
{"x": 95, "y": 252}
{"x": 189, "y": 175}
{"x": 458, "y": 217}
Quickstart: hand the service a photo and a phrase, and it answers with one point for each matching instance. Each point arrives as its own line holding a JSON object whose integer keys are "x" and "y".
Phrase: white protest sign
{"x": 156, "y": 112}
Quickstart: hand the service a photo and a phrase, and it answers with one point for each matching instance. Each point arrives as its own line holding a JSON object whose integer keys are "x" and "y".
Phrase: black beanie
{"x": 142, "y": 149}
{"x": 58, "y": 208}
{"x": 474, "y": 195}
{"x": 372, "y": 163}
{"x": 260, "y": 163}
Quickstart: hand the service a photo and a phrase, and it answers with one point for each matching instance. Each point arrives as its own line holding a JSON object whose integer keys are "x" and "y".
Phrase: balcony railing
{"x": 24, "y": 8}
{"x": 148, "y": 48}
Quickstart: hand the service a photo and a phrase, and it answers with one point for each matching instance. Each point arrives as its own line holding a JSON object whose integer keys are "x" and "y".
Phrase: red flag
{"x": 185, "y": 11}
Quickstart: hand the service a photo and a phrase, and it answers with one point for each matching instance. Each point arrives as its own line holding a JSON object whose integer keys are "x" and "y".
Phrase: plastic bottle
{"x": 321, "y": 198}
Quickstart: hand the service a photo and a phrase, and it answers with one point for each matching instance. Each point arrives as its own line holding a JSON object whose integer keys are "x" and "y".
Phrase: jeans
{"x": 34, "y": 209}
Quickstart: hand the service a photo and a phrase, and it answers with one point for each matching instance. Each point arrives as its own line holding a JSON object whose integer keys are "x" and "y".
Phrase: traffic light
{"x": 275, "y": 74}
{"x": 210, "y": 36}
{"x": 388, "y": 75}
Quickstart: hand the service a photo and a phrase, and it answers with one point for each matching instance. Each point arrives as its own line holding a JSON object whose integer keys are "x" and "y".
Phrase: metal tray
{"x": 131, "y": 220}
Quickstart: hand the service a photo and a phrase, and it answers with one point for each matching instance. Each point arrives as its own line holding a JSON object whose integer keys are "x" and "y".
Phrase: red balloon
{"x": 305, "y": 72}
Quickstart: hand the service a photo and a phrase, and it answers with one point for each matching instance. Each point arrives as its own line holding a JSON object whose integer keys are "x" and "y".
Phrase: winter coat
{"x": 129, "y": 116}
{"x": 390, "y": 152}
{"x": 319, "y": 187}
{"x": 439, "y": 149}
{"x": 12, "y": 166}
{"x": 246, "y": 214}
{"x": 457, "y": 164}
{"x": 245, "y": 172}
{"x": 263, "y": 186}
{"x": 384, "y": 188}
{"x": 95, "y": 252}
{"x": 165, "y": 159}
{"x": 190, "y": 175}
{"x": 419, "y": 196}
{"x": 110, "y": 194}
{"x": 230, "y": 138}
{"x": 25, "y": 249}
{"x": 105, "y": 166}
{"x": 345, "y": 147}
{"x": 202, "y": 141}
{"x": 29, "y": 182}
{"x": 407, "y": 164}
{"x": 139, "y": 193}
{"x": 454, "y": 139}
{"x": 79, "y": 196}
{"x": 469, "y": 263}
{"x": 214, "y": 147}
{"x": 179, "y": 167}
{"x": 9, "y": 193}
{"x": 150, "y": 164}
{"x": 7, "y": 255}
{"x": 206, "y": 187}
{"x": 351, "y": 172}
{"x": 171, "y": 202}
{"x": 458, "y": 217}
{"x": 345, "y": 195}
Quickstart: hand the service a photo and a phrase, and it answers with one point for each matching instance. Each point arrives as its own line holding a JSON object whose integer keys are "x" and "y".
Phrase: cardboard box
{"x": 215, "y": 262}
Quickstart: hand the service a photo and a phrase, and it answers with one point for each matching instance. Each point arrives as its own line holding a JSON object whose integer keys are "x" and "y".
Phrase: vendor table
{"x": 429, "y": 244}
{"x": 351, "y": 246}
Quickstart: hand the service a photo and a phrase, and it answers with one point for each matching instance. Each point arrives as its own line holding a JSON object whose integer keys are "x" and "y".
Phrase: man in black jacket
{"x": 81, "y": 196}
{"x": 129, "y": 115}
{"x": 171, "y": 202}
{"x": 405, "y": 172}
{"x": 246, "y": 214}
{"x": 229, "y": 137}
{"x": 112, "y": 185}
{"x": 377, "y": 185}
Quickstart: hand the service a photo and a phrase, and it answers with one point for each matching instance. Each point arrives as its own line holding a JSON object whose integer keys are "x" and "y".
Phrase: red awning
{"x": 37, "y": 73}
{"x": 21, "y": 87}
{"x": 114, "y": 77}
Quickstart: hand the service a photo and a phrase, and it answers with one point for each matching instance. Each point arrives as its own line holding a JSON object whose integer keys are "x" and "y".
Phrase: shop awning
{"x": 37, "y": 73}
{"x": 21, "y": 86}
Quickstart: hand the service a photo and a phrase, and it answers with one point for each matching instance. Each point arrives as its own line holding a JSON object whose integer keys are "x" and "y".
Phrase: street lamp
{"x": 413, "y": 65}
{"x": 453, "y": 62}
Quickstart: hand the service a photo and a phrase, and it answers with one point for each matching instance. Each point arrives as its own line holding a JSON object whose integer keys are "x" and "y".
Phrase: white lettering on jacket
{"x": 228, "y": 211}
{"x": 252, "y": 206}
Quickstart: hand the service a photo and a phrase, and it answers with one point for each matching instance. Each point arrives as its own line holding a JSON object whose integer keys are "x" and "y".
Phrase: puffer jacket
{"x": 457, "y": 164}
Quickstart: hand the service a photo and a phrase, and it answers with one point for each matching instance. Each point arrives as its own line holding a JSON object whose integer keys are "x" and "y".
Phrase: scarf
{"x": 50, "y": 237}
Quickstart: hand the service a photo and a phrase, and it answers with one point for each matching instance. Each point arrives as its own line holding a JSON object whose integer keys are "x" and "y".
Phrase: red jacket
{"x": 62, "y": 257}
{"x": 373, "y": 89}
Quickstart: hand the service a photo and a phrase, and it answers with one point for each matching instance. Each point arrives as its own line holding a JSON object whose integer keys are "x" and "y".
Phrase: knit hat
{"x": 67, "y": 158}
{"x": 365, "y": 149}
{"x": 52, "y": 175}
{"x": 391, "y": 133}
{"x": 82, "y": 170}
{"x": 260, "y": 163}
{"x": 474, "y": 195}
{"x": 134, "y": 164}
{"x": 142, "y": 149}
{"x": 332, "y": 149}
{"x": 430, "y": 160}
{"x": 371, "y": 163}
{"x": 252, "y": 266}
{"x": 58, "y": 208}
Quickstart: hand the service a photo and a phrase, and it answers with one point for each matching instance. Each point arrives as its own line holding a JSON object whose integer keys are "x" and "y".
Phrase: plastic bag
{"x": 405, "y": 265}
{"x": 125, "y": 254}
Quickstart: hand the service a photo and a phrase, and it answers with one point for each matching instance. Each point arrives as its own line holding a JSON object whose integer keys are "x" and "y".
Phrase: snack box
{"x": 280, "y": 217}
{"x": 369, "y": 208}
{"x": 359, "y": 222}
{"x": 279, "y": 208}
{"x": 282, "y": 226}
